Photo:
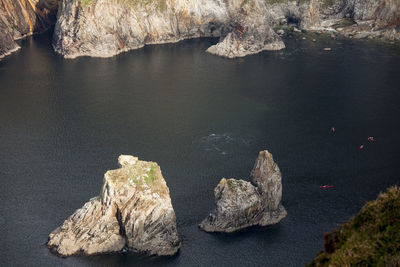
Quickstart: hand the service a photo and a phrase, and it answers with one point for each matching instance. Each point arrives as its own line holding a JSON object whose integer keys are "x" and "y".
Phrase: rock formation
{"x": 105, "y": 28}
{"x": 351, "y": 18}
{"x": 241, "y": 204}
{"x": 133, "y": 211}
{"x": 21, "y": 18}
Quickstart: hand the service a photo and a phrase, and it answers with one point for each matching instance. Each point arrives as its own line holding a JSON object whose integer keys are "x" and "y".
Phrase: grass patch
{"x": 371, "y": 238}
{"x": 144, "y": 175}
{"x": 344, "y": 23}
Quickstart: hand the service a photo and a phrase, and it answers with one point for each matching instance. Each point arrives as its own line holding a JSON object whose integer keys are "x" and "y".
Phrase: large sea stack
{"x": 241, "y": 204}
{"x": 133, "y": 211}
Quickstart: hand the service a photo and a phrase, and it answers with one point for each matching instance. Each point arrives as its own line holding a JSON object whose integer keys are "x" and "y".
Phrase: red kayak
{"x": 326, "y": 186}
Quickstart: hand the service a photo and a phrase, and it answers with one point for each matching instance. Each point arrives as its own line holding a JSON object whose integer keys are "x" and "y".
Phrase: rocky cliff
{"x": 20, "y": 18}
{"x": 133, "y": 211}
{"x": 351, "y": 18}
{"x": 105, "y": 28}
{"x": 241, "y": 204}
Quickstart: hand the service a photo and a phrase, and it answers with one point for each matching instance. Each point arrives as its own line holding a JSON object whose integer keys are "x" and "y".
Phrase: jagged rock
{"x": 241, "y": 204}
{"x": 133, "y": 211}
{"x": 21, "y": 18}
{"x": 252, "y": 34}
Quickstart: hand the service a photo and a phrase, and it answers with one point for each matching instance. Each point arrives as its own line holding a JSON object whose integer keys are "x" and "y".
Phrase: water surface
{"x": 63, "y": 123}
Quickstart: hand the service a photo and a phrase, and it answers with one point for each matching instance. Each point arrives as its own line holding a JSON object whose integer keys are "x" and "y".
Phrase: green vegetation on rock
{"x": 371, "y": 238}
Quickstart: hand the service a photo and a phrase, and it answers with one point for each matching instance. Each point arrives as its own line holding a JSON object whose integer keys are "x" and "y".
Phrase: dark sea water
{"x": 63, "y": 123}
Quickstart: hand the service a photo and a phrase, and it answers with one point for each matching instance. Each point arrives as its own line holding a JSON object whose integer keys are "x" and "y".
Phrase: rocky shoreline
{"x": 22, "y": 18}
{"x": 104, "y": 28}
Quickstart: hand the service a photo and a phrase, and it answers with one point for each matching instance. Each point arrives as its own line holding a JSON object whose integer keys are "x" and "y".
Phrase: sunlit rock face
{"x": 103, "y": 28}
{"x": 241, "y": 204}
{"x": 133, "y": 211}
{"x": 20, "y": 18}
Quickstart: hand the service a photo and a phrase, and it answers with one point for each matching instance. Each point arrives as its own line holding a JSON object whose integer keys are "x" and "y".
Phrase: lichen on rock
{"x": 241, "y": 204}
{"x": 133, "y": 211}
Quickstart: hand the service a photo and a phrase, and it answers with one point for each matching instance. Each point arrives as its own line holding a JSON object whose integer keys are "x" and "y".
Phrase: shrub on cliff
{"x": 371, "y": 238}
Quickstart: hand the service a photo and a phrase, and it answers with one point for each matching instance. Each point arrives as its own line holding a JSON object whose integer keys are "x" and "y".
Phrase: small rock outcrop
{"x": 133, "y": 211}
{"x": 21, "y": 18}
{"x": 241, "y": 204}
{"x": 251, "y": 33}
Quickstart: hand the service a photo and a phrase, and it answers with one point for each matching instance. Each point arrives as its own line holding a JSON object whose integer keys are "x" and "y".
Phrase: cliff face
{"x": 133, "y": 211}
{"x": 351, "y": 18}
{"x": 241, "y": 204}
{"x": 104, "y": 28}
{"x": 20, "y": 18}
{"x": 107, "y": 27}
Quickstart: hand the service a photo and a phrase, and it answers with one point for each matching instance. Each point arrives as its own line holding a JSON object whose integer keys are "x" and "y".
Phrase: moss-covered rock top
{"x": 371, "y": 238}
{"x": 142, "y": 175}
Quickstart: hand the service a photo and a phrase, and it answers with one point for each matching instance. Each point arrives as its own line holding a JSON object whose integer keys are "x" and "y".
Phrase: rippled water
{"x": 64, "y": 122}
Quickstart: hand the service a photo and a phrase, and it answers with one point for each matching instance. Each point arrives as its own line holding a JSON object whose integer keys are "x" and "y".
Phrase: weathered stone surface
{"x": 133, "y": 211}
{"x": 241, "y": 204}
{"x": 251, "y": 34}
{"x": 21, "y": 18}
{"x": 105, "y": 28}
{"x": 356, "y": 18}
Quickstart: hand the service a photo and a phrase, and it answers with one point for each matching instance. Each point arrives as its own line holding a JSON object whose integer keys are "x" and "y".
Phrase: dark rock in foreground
{"x": 371, "y": 238}
{"x": 241, "y": 204}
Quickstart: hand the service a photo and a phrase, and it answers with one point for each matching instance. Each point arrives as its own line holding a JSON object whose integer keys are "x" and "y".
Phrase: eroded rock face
{"x": 241, "y": 204}
{"x": 351, "y": 18}
{"x": 20, "y": 18}
{"x": 133, "y": 211}
{"x": 251, "y": 34}
{"x": 104, "y": 28}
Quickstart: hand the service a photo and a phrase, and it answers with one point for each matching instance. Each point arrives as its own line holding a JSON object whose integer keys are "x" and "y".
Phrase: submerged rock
{"x": 133, "y": 211}
{"x": 241, "y": 204}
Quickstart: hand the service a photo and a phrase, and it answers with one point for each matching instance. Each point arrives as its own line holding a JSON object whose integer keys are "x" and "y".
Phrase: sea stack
{"x": 241, "y": 204}
{"x": 133, "y": 211}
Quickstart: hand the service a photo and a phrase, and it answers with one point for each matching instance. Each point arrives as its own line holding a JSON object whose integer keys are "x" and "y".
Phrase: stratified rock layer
{"x": 133, "y": 211}
{"x": 241, "y": 204}
{"x": 20, "y": 18}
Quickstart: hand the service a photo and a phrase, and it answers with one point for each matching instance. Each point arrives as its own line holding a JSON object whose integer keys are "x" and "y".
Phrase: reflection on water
{"x": 63, "y": 123}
